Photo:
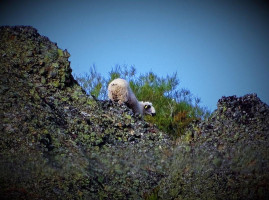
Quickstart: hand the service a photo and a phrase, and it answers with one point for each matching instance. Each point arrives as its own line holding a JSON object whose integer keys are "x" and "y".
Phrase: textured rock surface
{"x": 228, "y": 156}
{"x": 58, "y": 143}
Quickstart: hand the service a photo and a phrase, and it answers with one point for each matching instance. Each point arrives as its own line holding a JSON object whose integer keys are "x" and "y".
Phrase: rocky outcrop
{"x": 58, "y": 143}
{"x": 227, "y": 156}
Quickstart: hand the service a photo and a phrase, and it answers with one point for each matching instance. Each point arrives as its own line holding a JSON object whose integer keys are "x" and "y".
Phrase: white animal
{"x": 120, "y": 91}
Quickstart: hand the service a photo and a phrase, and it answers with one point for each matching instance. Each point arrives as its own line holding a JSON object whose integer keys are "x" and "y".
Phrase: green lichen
{"x": 55, "y": 83}
{"x": 57, "y": 142}
{"x": 60, "y": 52}
{"x": 128, "y": 117}
{"x": 43, "y": 80}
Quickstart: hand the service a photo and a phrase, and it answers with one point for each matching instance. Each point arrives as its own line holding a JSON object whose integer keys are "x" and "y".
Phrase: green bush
{"x": 93, "y": 83}
{"x": 176, "y": 108}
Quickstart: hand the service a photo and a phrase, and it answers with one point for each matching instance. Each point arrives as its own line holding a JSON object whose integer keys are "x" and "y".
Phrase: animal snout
{"x": 153, "y": 114}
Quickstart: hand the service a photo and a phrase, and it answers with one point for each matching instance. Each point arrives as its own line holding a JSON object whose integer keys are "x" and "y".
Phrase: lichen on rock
{"x": 56, "y": 140}
{"x": 227, "y": 157}
{"x": 58, "y": 143}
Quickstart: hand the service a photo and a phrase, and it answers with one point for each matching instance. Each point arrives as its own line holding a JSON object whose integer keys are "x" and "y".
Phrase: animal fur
{"x": 120, "y": 91}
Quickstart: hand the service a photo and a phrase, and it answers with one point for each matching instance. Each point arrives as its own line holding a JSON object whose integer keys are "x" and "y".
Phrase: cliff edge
{"x": 58, "y": 143}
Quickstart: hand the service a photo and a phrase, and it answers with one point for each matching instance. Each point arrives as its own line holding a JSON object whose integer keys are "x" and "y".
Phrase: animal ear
{"x": 147, "y": 106}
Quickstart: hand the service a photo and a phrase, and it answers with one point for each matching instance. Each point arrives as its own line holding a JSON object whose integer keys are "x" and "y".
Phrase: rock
{"x": 230, "y": 157}
{"x": 58, "y": 143}
{"x": 70, "y": 140}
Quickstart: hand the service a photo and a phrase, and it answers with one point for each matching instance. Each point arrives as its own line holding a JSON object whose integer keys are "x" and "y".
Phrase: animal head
{"x": 148, "y": 109}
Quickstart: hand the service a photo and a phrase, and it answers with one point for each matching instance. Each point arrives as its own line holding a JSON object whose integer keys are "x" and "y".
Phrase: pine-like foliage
{"x": 176, "y": 108}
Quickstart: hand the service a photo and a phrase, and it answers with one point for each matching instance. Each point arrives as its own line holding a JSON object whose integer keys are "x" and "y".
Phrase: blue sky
{"x": 218, "y": 48}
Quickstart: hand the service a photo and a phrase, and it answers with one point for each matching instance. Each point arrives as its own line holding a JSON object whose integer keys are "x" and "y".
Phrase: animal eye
{"x": 147, "y": 106}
